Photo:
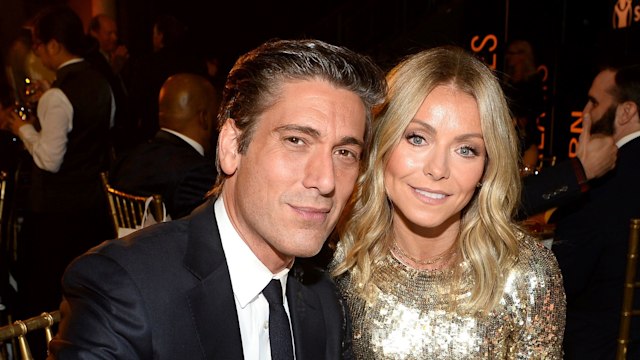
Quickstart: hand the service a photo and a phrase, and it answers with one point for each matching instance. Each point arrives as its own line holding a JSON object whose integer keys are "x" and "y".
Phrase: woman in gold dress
{"x": 431, "y": 263}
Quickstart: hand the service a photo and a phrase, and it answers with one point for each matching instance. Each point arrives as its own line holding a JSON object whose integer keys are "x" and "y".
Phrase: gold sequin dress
{"x": 410, "y": 319}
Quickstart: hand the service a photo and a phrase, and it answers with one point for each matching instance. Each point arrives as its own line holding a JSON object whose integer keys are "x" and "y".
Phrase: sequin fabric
{"x": 410, "y": 317}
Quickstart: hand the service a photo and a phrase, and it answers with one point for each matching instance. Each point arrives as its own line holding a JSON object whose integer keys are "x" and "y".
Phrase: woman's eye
{"x": 415, "y": 139}
{"x": 468, "y": 151}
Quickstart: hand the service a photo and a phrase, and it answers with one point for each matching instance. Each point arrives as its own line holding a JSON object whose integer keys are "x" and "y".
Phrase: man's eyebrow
{"x": 299, "y": 128}
{"x": 350, "y": 140}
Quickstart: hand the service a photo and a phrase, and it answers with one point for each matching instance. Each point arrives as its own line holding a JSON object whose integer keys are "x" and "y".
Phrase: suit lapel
{"x": 216, "y": 319}
{"x": 211, "y": 301}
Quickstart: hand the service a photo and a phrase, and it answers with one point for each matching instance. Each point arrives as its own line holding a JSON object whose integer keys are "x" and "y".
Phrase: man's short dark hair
{"x": 61, "y": 23}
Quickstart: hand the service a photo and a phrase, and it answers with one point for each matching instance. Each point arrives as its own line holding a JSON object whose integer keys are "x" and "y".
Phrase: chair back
{"x": 4, "y": 245}
{"x": 128, "y": 210}
{"x": 630, "y": 285}
{"x": 3, "y": 189}
{"x": 20, "y": 328}
{"x": 3, "y": 200}
{"x": 8, "y": 248}
{"x": 8, "y": 230}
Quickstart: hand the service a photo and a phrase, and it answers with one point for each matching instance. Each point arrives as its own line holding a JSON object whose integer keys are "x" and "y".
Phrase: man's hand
{"x": 118, "y": 58}
{"x": 11, "y": 121}
{"x": 35, "y": 90}
{"x": 597, "y": 154}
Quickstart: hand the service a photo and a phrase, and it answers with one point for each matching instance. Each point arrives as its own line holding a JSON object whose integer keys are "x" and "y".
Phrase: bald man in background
{"x": 177, "y": 162}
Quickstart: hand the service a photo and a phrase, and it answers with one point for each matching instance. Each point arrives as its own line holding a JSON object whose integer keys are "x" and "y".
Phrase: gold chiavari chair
{"x": 3, "y": 238}
{"x": 630, "y": 286}
{"x": 3, "y": 196}
{"x": 8, "y": 249}
{"x": 10, "y": 219}
{"x": 127, "y": 210}
{"x": 19, "y": 330}
{"x": 3, "y": 189}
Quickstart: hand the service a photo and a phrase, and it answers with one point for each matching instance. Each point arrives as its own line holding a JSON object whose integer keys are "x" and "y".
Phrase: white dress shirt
{"x": 627, "y": 138}
{"x": 48, "y": 146}
{"x": 248, "y": 277}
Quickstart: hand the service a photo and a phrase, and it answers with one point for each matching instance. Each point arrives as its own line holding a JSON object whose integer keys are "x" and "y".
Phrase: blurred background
{"x": 569, "y": 37}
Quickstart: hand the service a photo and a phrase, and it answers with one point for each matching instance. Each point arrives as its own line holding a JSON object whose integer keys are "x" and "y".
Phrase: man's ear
{"x": 627, "y": 111}
{"x": 204, "y": 120}
{"x": 228, "y": 155}
{"x": 53, "y": 46}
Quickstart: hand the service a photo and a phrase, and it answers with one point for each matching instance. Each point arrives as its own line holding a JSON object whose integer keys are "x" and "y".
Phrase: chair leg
{"x": 25, "y": 352}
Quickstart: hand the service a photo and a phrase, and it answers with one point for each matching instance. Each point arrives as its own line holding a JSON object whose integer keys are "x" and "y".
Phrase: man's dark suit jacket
{"x": 590, "y": 243}
{"x": 552, "y": 187}
{"x": 169, "y": 166}
{"x": 164, "y": 292}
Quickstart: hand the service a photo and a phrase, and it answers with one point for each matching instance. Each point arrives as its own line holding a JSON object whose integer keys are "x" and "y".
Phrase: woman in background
{"x": 430, "y": 262}
{"x": 522, "y": 85}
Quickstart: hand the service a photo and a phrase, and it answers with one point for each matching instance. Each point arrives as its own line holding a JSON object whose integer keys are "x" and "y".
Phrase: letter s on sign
{"x": 485, "y": 40}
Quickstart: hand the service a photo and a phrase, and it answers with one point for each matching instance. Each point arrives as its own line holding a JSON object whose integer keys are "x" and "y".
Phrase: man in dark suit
{"x": 294, "y": 128}
{"x": 591, "y": 235}
{"x": 103, "y": 28}
{"x": 177, "y": 163}
{"x": 109, "y": 57}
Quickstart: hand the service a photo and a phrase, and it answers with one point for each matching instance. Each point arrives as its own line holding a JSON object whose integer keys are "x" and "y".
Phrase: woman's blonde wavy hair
{"x": 487, "y": 239}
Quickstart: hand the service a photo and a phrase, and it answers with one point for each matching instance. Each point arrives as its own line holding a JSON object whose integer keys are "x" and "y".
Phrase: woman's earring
{"x": 479, "y": 185}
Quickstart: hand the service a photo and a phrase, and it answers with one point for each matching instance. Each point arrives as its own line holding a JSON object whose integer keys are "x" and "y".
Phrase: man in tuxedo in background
{"x": 108, "y": 57}
{"x": 295, "y": 122}
{"x": 177, "y": 163}
{"x": 105, "y": 30}
{"x": 592, "y": 233}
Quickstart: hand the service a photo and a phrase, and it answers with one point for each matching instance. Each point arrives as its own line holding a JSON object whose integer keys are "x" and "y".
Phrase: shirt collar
{"x": 627, "y": 138}
{"x": 69, "y": 62}
{"x": 248, "y": 274}
{"x": 199, "y": 148}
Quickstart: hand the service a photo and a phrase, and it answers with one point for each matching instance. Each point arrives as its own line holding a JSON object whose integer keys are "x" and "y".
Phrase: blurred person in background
{"x": 592, "y": 232}
{"x": 177, "y": 162}
{"x": 522, "y": 85}
{"x": 108, "y": 57}
{"x": 105, "y": 30}
{"x": 68, "y": 142}
{"x": 173, "y": 52}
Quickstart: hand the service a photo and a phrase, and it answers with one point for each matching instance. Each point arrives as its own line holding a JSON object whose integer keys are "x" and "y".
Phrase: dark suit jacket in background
{"x": 165, "y": 292}
{"x": 590, "y": 243}
{"x": 169, "y": 166}
{"x": 553, "y": 186}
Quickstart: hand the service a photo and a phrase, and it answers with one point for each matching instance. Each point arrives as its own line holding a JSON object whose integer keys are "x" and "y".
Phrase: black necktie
{"x": 279, "y": 329}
